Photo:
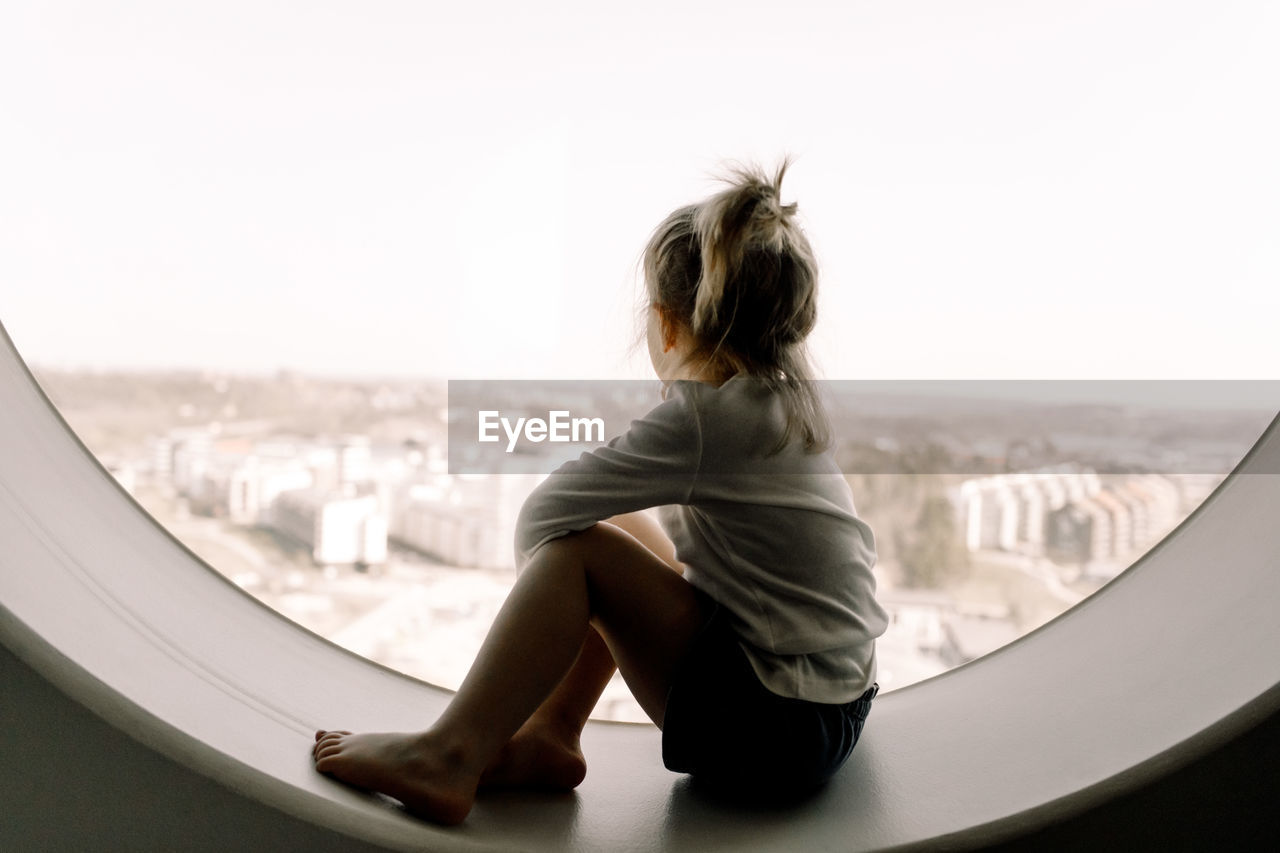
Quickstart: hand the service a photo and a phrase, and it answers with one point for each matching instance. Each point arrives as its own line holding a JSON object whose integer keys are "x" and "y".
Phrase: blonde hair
{"x": 738, "y": 273}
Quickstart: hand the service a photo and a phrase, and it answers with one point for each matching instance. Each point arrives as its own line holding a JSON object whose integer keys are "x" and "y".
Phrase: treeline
{"x": 909, "y": 496}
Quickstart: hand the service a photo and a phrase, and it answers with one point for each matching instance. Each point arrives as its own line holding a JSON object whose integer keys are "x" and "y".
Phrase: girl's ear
{"x": 669, "y": 329}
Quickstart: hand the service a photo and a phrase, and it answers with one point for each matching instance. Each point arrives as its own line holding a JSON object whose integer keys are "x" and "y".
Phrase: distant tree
{"x": 930, "y": 552}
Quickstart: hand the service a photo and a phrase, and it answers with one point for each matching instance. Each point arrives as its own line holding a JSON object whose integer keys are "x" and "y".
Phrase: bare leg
{"x": 649, "y": 533}
{"x": 600, "y": 576}
{"x": 547, "y": 750}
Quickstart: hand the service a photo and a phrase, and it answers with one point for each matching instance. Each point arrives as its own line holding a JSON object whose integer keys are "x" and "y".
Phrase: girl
{"x": 748, "y": 636}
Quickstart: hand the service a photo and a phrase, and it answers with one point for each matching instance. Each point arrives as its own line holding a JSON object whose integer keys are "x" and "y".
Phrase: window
{"x": 247, "y": 247}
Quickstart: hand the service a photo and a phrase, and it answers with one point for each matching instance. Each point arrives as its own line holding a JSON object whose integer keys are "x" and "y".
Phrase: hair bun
{"x": 748, "y": 215}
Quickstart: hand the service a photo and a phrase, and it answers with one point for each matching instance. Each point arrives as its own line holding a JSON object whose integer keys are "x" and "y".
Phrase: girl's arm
{"x": 654, "y": 463}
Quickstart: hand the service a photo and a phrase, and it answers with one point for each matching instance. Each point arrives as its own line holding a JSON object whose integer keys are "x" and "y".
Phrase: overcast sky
{"x": 1047, "y": 189}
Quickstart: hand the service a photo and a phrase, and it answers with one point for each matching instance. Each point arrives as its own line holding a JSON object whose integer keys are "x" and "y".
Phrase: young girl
{"x": 748, "y": 636}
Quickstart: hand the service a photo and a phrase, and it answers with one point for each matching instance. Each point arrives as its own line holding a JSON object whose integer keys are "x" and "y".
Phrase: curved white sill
{"x": 1178, "y": 654}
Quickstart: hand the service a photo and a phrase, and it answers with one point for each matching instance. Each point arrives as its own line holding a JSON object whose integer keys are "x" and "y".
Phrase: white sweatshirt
{"x": 774, "y": 539}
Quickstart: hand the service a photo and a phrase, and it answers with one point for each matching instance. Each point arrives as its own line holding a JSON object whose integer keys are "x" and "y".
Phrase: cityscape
{"x": 334, "y": 502}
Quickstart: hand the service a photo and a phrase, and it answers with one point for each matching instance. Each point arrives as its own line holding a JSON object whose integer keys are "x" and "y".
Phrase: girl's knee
{"x": 602, "y": 543}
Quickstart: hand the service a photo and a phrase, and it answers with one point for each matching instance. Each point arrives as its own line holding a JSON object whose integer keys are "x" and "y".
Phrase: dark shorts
{"x": 724, "y": 727}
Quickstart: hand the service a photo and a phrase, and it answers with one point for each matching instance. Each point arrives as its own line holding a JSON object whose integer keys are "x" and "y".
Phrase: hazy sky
{"x": 1020, "y": 189}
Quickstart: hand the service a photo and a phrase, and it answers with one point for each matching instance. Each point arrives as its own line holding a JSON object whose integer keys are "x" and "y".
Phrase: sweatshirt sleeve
{"x": 654, "y": 463}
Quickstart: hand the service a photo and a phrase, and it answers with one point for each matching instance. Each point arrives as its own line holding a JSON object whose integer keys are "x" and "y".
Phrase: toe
{"x": 328, "y": 750}
{"x": 320, "y": 733}
{"x": 330, "y": 741}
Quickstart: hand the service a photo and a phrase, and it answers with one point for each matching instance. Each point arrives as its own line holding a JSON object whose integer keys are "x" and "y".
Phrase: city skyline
{"x": 1075, "y": 190}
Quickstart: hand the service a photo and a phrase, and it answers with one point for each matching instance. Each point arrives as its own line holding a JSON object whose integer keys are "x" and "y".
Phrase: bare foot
{"x": 430, "y": 782}
{"x": 536, "y": 757}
